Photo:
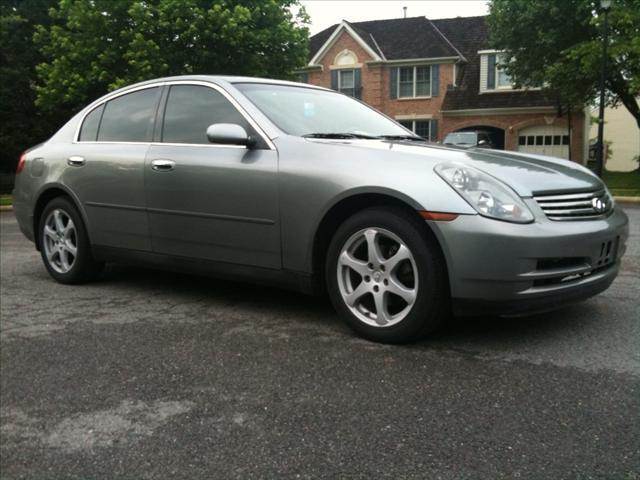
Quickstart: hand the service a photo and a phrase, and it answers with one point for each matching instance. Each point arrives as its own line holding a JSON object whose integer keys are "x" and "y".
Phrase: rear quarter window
{"x": 129, "y": 118}
{"x": 89, "y": 129}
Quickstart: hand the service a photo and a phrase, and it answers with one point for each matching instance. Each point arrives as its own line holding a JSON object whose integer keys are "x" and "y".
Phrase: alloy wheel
{"x": 377, "y": 277}
{"x": 60, "y": 241}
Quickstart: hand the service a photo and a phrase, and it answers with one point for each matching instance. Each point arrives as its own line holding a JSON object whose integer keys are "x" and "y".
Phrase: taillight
{"x": 21, "y": 162}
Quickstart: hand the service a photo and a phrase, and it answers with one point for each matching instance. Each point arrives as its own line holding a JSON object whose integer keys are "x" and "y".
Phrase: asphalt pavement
{"x": 147, "y": 374}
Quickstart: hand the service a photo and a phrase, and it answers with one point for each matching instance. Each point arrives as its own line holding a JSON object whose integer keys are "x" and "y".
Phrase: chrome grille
{"x": 575, "y": 206}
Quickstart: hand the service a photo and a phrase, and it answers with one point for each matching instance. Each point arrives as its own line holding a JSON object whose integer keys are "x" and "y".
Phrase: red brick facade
{"x": 376, "y": 92}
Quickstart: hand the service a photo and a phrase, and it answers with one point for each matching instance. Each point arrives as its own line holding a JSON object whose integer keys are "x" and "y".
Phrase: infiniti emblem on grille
{"x": 599, "y": 205}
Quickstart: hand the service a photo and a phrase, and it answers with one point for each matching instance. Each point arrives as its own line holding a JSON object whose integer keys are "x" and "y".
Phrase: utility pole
{"x": 605, "y": 5}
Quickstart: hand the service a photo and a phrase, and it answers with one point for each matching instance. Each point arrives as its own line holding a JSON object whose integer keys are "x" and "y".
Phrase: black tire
{"x": 84, "y": 267}
{"x": 431, "y": 305}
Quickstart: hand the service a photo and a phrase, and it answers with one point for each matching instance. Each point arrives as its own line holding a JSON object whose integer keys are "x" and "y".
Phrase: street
{"x": 147, "y": 374}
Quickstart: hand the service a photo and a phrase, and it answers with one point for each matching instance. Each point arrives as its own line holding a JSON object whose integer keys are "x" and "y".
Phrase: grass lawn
{"x": 623, "y": 183}
{"x": 5, "y": 200}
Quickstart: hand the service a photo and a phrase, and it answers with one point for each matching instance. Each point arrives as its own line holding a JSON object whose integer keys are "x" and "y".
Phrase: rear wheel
{"x": 64, "y": 244}
{"x": 386, "y": 276}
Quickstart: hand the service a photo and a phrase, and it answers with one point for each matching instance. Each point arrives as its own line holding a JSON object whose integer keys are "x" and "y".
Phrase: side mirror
{"x": 229, "y": 134}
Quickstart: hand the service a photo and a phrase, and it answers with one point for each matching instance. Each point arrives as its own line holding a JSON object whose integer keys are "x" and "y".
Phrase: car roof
{"x": 217, "y": 79}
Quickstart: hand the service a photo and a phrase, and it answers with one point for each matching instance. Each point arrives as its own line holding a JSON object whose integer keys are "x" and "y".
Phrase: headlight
{"x": 485, "y": 194}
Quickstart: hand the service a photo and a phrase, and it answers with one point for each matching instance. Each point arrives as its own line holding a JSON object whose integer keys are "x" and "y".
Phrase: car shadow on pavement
{"x": 303, "y": 308}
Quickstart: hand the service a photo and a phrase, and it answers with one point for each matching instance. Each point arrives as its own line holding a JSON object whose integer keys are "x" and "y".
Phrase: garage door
{"x": 544, "y": 140}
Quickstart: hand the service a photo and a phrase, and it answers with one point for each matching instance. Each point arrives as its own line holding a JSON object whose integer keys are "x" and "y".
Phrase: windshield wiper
{"x": 337, "y": 135}
{"x": 402, "y": 137}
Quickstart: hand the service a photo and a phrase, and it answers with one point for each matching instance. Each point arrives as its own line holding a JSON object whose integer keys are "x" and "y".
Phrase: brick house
{"x": 440, "y": 76}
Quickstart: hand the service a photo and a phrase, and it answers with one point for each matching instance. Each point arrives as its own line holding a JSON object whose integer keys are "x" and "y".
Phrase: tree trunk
{"x": 620, "y": 87}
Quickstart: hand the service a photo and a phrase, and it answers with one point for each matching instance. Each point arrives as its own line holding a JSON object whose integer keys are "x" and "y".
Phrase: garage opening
{"x": 496, "y": 135}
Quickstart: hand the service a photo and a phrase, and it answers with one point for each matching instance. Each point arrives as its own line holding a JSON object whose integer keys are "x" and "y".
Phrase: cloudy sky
{"x": 325, "y": 13}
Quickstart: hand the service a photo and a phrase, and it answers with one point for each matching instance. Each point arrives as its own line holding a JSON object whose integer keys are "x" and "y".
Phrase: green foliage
{"x": 96, "y": 46}
{"x": 57, "y": 55}
{"x": 558, "y": 44}
{"x": 21, "y": 124}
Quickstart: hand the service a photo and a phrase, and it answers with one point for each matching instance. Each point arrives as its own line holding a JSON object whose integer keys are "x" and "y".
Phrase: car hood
{"x": 527, "y": 174}
{"x": 534, "y": 174}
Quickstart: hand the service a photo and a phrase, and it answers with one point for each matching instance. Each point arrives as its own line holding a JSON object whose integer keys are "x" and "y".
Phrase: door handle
{"x": 75, "y": 161}
{"x": 162, "y": 165}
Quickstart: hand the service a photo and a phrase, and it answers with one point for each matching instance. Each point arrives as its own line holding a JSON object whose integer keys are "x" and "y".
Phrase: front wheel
{"x": 64, "y": 243}
{"x": 386, "y": 276}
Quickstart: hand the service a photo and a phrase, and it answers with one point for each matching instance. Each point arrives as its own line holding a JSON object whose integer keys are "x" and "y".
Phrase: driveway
{"x": 157, "y": 375}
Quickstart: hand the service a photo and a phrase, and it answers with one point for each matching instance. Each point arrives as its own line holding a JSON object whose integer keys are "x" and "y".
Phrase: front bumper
{"x": 500, "y": 267}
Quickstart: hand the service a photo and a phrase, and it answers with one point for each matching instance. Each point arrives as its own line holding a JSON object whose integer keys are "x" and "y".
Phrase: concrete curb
{"x": 623, "y": 199}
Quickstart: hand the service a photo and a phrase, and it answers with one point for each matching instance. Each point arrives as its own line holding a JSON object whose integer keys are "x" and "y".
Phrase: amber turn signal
{"x": 438, "y": 216}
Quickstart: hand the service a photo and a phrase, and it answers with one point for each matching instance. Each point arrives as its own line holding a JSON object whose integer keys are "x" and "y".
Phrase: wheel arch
{"x": 348, "y": 205}
{"x": 44, "y": 196}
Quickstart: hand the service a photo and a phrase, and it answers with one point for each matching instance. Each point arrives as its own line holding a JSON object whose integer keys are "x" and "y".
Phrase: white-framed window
{"x": 426, "y": 128}
{"x": 346, "y": 82}
{"x": 414, "y": 81}
{"x": 503, "y": 80}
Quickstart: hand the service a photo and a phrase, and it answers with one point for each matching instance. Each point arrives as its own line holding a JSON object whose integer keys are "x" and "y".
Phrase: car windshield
{"x": 312, "y": 112}
{"x": 460, "y": 138}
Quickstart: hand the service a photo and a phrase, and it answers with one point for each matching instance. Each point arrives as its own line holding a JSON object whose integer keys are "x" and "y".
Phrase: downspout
{"x": 569, "y": 127}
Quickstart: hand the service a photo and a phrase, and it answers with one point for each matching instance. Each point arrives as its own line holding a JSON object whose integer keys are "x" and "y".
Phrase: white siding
{"x": 621, "y": 129}
{"x": 483, "y": 73}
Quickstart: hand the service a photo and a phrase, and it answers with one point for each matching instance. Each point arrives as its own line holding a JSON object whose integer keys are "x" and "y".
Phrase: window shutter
{"x": 357, "y": 83}
{"x": 491, "y": 71}
{"x": 433, "y": 130}
{"x": 435, "y": 80}
{"x": 393, "y": 82}
{"x": 334, "y": 79}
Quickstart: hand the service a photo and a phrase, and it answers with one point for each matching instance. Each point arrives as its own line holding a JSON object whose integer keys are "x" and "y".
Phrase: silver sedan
{"x": 306, "y": 188}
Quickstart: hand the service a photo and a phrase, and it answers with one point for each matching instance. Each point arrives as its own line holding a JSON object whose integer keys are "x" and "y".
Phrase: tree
{"x": 558, "y": 44}
{"x": 96, "y": 46}
{"x": 21, "y": 124}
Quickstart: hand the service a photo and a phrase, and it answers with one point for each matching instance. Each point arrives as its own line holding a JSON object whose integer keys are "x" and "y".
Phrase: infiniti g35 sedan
{"x": 303, "y": 187}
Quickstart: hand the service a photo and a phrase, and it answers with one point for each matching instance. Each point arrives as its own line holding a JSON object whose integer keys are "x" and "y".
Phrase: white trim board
{"x": 497, "y": 111}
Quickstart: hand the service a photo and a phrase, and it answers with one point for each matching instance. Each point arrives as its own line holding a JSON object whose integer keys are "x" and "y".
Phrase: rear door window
{"x": 191, "y": 109}
{"x": 129, "y": 118}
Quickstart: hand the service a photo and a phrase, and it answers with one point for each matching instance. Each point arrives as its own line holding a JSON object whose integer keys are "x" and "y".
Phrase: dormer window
{"x": 493, "y": 76}
{"x": 503, "y": 80}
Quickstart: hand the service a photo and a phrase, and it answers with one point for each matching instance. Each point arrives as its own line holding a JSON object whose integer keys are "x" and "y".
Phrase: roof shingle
{"x": 399, "y": 38}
